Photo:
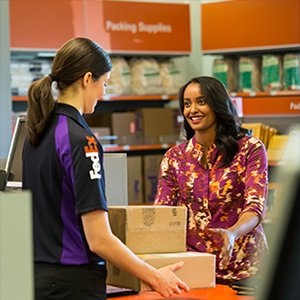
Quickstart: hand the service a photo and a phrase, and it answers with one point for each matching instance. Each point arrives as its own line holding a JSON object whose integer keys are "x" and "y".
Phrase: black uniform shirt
{"x": 65, "y": 175}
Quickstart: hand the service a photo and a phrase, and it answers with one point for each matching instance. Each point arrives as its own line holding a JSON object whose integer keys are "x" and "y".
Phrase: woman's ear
{"x": 87, "y": 78}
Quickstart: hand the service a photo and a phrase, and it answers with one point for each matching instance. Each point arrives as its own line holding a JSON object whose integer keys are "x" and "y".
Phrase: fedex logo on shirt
{"x": 91, "y": 152}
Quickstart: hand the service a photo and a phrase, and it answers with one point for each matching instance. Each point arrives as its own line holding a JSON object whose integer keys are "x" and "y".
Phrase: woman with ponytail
{"x": 220, "y": 174}
{"x": 63, "y": 168}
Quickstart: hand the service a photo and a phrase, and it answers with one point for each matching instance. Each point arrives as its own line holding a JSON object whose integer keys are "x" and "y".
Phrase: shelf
{"x": 254, "y": 51}
{"x": 128, "y": 148}
{"x": 119, "y": 98}
{"x": 19, "y": 98}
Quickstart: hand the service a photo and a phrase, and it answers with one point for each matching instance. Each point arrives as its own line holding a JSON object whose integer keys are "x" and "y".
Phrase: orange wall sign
{"x": 119, "y": 26}
{"x": 268, "y": 106}
{"x": 139, "y": 27}
{"x": 44, "y": 24}
{"x": 250, "y": 24}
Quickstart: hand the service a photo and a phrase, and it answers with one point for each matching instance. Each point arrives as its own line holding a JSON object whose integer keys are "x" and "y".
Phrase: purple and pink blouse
{"x": 216, "y": 197}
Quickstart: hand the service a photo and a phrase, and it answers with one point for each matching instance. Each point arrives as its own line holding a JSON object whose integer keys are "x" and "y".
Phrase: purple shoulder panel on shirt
{"x": 73, "y": 248}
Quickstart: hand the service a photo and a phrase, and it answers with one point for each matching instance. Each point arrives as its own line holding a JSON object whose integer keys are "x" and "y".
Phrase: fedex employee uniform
{"x": 65, "y": 175}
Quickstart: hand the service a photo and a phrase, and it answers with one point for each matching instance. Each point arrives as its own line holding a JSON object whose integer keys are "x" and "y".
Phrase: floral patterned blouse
{"x": 216, "y": 197}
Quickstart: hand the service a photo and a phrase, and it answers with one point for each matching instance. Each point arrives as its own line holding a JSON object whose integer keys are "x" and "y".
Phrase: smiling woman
{"x": 199, "y": 114}
{"x": 220, "y": 175}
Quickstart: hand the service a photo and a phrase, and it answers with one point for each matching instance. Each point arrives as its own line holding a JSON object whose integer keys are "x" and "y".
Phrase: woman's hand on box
{"x": 168, "y": 283}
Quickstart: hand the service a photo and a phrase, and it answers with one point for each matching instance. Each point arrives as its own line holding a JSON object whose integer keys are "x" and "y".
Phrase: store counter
{"x": 220, "y": 292}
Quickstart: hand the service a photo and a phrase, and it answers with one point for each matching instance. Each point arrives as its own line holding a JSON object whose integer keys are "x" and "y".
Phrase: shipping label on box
{"x": 150, "y": 229}
{"x": 198, "y": 270}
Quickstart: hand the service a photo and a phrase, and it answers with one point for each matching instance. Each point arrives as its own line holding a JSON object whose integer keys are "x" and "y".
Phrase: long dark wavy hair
{"x": 228, "y": 128}
{"x": 73, "y": 60}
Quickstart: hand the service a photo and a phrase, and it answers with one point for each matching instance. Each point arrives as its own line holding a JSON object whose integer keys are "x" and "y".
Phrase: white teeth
{"x": 196, "y": 118}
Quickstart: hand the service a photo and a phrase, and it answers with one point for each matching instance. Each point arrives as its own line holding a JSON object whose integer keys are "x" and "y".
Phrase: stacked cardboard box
{"x": 197, "y": 272}
{"x": 157, "y": 234}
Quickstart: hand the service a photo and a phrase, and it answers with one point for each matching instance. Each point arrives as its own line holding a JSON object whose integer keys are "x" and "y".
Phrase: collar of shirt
{"x": 71, "y": 112}
{"x": 197, "y": 151}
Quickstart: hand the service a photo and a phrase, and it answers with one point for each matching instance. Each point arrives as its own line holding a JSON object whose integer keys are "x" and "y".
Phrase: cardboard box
{"x": 146, "y": 126}
{"x": 135, "y": 180}
{"x": 126, "y": 126}
{"x": 198, "y": 270}
{"x": 159, "y": 125}
{"x": 150, "y": 229}
{"x": 150, "y": 173}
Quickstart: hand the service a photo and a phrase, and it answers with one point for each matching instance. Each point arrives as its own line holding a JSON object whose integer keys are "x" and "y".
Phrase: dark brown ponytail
{"x": 40, "y": 106}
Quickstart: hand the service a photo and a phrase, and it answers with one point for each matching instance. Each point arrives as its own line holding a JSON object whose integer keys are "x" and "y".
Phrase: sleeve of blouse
{"x": 167, "y": 187}
{"x": 256, "y": 181}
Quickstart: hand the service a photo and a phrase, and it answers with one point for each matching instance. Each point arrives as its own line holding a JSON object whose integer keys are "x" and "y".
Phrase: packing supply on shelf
{"x": 140, "y": 228}
{"x": 261, "y": 131}
{"x": 272, "y": 72}
{"x": 23, "y": 73}
{"x": 120, "y": 77}
{"x": 277, "y": 147}
{"x": 291, "y": 71}
{"x": 171, "y": 77}
{"x": 198, "y": 270}
{"x": 146, "y": 79}
{"x": 226, "y": 71}
{"x": 249, "y": 74}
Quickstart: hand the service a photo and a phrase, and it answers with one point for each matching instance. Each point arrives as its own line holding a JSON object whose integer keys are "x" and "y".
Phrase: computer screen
{"x": 115, "y": 167}
{"x": 13, "y": 167}
{"x": 281, "y": 277}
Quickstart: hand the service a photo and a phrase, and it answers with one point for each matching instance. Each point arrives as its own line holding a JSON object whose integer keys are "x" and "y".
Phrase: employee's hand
{"x": 167, "y": 283}
{"x": 228, "y": 238}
